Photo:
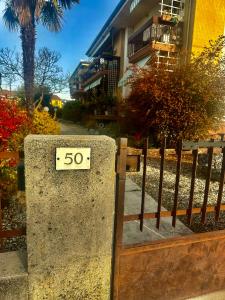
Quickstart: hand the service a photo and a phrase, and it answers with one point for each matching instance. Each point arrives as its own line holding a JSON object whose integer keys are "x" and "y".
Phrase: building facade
{"x": 56, "y": 102}
{"x": 138, "y": 27}
{"x": 76, "y": 80}
{"x": 8, "y": 95}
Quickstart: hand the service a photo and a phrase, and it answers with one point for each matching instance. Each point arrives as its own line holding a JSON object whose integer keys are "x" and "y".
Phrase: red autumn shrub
{"x": 11, "y": 118}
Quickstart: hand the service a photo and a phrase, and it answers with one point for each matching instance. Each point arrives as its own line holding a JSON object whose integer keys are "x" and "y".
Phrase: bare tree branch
{"x": 47, "y": 71}
{"x": 11, "y": 66}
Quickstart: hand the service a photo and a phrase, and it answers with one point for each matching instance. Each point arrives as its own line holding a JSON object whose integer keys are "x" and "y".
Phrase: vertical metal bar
{"x": 161, "y": 7}
{"x": 162, "y": 153}
{"x": 144, "y": 184}
{"x": 221, "y": 187}
{"x": 193, "y": 177}
{"x": 207, "y": 184}
{"x": 119, "y": 212}
{"x": 179, "y": 155}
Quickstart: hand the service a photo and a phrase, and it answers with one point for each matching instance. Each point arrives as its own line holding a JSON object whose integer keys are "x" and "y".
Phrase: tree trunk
{"x": 28, "y": 34}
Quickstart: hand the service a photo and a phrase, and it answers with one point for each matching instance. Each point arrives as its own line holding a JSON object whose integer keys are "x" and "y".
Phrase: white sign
{"x": 73, "y": 159}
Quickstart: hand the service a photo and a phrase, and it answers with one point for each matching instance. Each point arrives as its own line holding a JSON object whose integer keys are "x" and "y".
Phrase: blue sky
{"x": 81, "y": 25}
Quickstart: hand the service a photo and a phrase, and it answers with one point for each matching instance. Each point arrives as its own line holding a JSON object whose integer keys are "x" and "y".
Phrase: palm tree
{"x": 24, "y": 15}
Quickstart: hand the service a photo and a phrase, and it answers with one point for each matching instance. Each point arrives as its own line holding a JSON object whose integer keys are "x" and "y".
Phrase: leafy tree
{"x": 184, "y": 103}
{"x": 24, "y": 15}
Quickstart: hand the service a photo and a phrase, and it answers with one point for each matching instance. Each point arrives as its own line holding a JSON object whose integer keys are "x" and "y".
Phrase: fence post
{"x": 119, "y": 213}
{"x": 70, "y": 216}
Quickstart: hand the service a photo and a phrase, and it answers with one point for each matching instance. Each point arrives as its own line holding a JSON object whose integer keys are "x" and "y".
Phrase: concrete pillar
{"x": 70, "y": 218}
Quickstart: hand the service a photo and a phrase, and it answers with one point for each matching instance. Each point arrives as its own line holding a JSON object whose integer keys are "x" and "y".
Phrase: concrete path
{"x": 69, "y": 128}
{"x": 132, "y": 233}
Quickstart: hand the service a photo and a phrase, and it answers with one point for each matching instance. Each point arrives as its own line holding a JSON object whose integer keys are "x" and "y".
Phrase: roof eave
{"x": 105, "y": 28}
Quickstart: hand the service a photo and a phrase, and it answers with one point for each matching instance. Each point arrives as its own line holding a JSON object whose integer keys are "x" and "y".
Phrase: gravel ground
{"x": 152, "y": 183}
{"x": 14, "y": 217}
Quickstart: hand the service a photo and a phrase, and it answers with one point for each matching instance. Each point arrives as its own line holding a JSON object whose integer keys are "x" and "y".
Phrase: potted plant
{"x": 166, "y": 16}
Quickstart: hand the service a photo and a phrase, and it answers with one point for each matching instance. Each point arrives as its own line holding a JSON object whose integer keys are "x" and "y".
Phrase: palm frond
{"x": 67, "y": 4}
{"x": 22, "y": 9}
{"x": 10, "y": 17}
{"x": 38, "y": 8}
{"x": 20, "y": 3}
{"x": 51, "y": 16}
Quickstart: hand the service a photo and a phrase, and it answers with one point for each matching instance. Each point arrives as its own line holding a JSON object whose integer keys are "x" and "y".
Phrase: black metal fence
{"x": 210, "y": 147}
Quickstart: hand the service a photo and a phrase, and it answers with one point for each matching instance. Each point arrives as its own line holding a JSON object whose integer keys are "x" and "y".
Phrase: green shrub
{"x": 59, "y": 113}
{"x": 73, "y": 111}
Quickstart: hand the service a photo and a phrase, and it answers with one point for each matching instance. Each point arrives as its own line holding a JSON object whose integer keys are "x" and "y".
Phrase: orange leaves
{"x": 186, "y": 102}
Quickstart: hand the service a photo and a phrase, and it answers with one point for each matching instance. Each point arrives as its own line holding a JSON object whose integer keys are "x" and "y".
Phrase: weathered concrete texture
{"x": 13, "y": 277}
{"x": 69, "y": 219}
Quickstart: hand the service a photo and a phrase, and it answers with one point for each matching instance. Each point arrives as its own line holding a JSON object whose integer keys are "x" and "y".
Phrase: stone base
{"x": 65, "y": 283}
{"x": 13, "y": 277}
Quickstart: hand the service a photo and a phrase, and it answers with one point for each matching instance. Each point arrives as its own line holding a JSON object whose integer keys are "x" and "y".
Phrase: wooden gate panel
{"x": 179, "y": 268}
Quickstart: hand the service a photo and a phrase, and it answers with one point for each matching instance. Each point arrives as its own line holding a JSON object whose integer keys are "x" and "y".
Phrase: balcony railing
{"x": 98, "y": 68}
{"x": 102, "y": 73}
{"x": 98, "y": 65}
{"x": 158, "y": 36}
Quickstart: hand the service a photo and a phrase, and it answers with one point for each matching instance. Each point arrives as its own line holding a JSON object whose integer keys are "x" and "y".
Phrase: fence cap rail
{"x": 189, "y": 145}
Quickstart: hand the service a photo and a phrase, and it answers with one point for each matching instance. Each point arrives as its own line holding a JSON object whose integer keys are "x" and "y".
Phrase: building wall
{"x": 125, "y": 90}
{"x": 209, "y": 22}
{"x": 117, "y": 44}
{"x": 154, "y": 11}
{"x": 118, "y": 48}
{"x": 57, "y": 103}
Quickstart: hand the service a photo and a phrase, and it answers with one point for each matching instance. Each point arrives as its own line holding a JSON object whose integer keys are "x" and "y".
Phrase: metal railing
{"x": 194, "y": 148}
{"x": 157, "y": 32}
{"x": 98, "y": 65}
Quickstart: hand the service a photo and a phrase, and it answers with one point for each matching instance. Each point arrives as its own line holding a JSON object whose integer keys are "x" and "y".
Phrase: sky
{"x": 81, "y": 25}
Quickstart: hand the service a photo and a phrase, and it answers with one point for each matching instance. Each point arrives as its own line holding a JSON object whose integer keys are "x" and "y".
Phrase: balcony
{"x": 102, "y": 73}
{"x": 158, "y": 35}
{"x": 99, "y": 68}
{"x": 76, "y": 90}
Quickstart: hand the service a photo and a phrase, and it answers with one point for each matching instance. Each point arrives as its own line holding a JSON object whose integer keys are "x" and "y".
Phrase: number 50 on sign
{"x": 73, "y": 159}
